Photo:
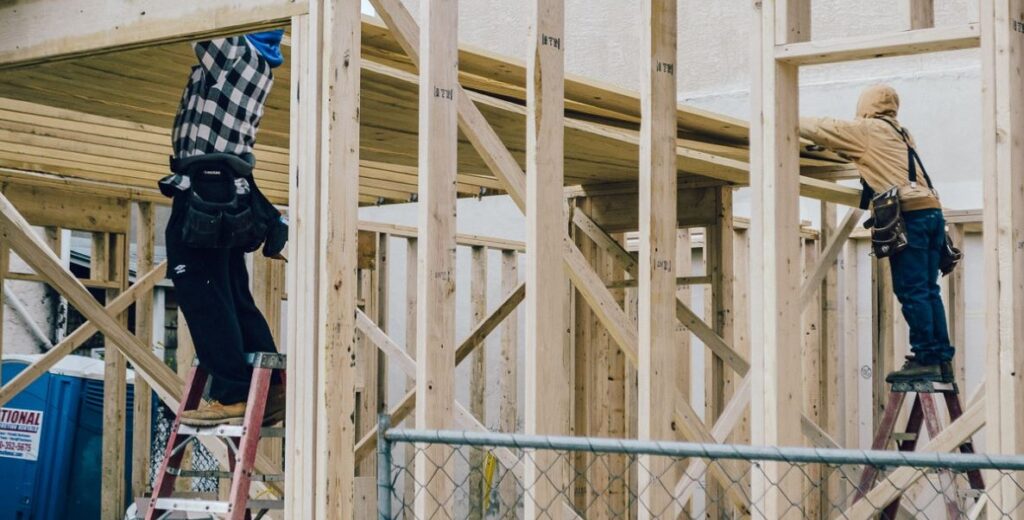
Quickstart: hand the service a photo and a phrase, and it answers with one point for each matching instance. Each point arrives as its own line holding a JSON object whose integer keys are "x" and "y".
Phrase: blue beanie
{"x": 268, "y": 44}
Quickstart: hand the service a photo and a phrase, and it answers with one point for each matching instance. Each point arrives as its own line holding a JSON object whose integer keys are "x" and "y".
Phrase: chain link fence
{"x": 197, "y": 457}
{"x": 470, "y": 475}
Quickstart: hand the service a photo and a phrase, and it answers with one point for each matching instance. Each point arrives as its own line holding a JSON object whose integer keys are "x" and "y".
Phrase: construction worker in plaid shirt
{"x": 213, "y": 138}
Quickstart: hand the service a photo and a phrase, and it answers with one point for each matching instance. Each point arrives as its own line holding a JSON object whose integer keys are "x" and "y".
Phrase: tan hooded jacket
{"x": 875, "y": 147}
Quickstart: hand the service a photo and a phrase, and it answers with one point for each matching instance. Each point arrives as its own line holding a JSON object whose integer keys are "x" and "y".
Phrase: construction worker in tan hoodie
{"x": 879, "y": 146}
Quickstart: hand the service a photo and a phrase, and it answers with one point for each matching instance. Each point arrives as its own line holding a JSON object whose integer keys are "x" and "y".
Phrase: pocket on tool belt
{"x": 202, "y": 228}
{"x": 888, "y": 230}
{"x": 245, "y": 230}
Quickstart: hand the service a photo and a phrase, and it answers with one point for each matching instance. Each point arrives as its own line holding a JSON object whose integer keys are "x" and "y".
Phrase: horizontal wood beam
{"x": 34, "y": 32}
{"x": 31, "y": 277}
{"x": 680, "y": 280}
{"x": 918, "y": 41}
{"x": 461, "y": 239}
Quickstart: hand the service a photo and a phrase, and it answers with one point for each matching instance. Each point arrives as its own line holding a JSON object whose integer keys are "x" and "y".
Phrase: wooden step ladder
{"x": 242, "y": 442}
{"x": 923, "y": 412}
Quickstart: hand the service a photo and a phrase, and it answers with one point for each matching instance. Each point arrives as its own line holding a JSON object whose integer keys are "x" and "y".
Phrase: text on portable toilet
{"x": 19, "y": 433}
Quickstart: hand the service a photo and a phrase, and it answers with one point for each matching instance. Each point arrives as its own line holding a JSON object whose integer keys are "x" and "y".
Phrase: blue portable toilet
{"x": 47, "y": 434}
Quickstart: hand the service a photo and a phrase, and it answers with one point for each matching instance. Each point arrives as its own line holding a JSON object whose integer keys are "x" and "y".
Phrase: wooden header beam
{"x": 904, "y": 43}
{"x": 41, "y": 31}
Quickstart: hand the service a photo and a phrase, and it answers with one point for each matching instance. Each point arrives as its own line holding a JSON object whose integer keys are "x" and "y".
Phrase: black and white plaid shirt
{"x": 222, "y": 105}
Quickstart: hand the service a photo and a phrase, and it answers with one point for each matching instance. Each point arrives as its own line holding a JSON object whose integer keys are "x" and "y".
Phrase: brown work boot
{"x": 914, "y": 372}
{"x": 215, "y": 414}
{"x": 945, "y": 368}
{"x": 947, "y": 372}
{"x": 274, "y": 412}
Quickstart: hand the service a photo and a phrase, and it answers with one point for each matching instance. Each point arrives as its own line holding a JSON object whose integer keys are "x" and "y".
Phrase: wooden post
{"x": 957, "y": 312}
{"x": 109, "y": 263}
{"x": 319, "y": 457}
{"x": 478, "y": 376}
{"x": 922, "y": 14}
{"x": 684, "y": 339}
{"x": 145, "y": 243}
{"x": 586, "y": 329}
{"x": 631, "y": 306}
{"x": 851, "y": 349}
{"x": 411, "y": 285}
{"x": 411, "y": 259}
{"x": 718, "y": 249}
{"x": 1003, "y": 167}
{"x": 829, "y": 351}
{"x": 741, "y": 320}
{"x": 775, "y": 315}
{"x": 658, "y": 365}
{"x": 548, "y": 360}
{"x": 304, "y": 135}
{"x": 366, "y": 388}
{"x": 435, "y": 345}
{"x": 337, "y": 223}
{"x": 380, "y": 282}
{"x": 508, "y": 421}
{"x": 883, "y": 343}
{"x": 812, "y": 361}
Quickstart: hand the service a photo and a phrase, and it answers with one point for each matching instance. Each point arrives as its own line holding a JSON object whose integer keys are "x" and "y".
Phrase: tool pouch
{"x": 219, "y": 200}
{"x": 888, "y": 231}
{"x": 950, "y": 257}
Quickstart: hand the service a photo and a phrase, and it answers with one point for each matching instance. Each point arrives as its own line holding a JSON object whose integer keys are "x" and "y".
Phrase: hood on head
{"x": 878, "y": 101}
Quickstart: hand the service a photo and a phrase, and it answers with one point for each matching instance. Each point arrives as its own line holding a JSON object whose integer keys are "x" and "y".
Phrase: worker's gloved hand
{"x": 277, "y": 237}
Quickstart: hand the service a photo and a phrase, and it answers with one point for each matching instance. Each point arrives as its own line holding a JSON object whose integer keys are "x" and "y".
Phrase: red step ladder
{"x": 242, "y": 442}
{"x": 923, "y": 412}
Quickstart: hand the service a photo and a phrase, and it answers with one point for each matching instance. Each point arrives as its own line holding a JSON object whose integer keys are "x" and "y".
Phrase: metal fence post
{"x": 384, "y": 488}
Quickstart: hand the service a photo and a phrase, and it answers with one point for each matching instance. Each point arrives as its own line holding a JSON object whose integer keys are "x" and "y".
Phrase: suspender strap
{"x": 913, "y": 160}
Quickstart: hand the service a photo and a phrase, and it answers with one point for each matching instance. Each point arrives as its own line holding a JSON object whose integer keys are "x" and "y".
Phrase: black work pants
{"x": 212, "y": 289}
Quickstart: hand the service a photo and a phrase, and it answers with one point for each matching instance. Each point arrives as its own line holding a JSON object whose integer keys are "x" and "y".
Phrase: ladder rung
{"x": 191, "y": 473}
{"x": 271, "y": 360}
{"x": 923, "y": 387}
{"x": 227, "y": 430}
{"x": 970, "y": 493}
{"x": 198, "y": 505}
{"x": 904, "y": 436}
{"x": 193, "y": 505}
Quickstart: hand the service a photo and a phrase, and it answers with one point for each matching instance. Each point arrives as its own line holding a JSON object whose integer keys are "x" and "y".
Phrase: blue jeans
{"x": 915, "y": 279}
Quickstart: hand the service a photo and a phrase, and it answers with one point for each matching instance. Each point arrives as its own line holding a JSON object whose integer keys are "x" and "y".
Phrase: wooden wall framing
{"x": 637, "y": 358}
